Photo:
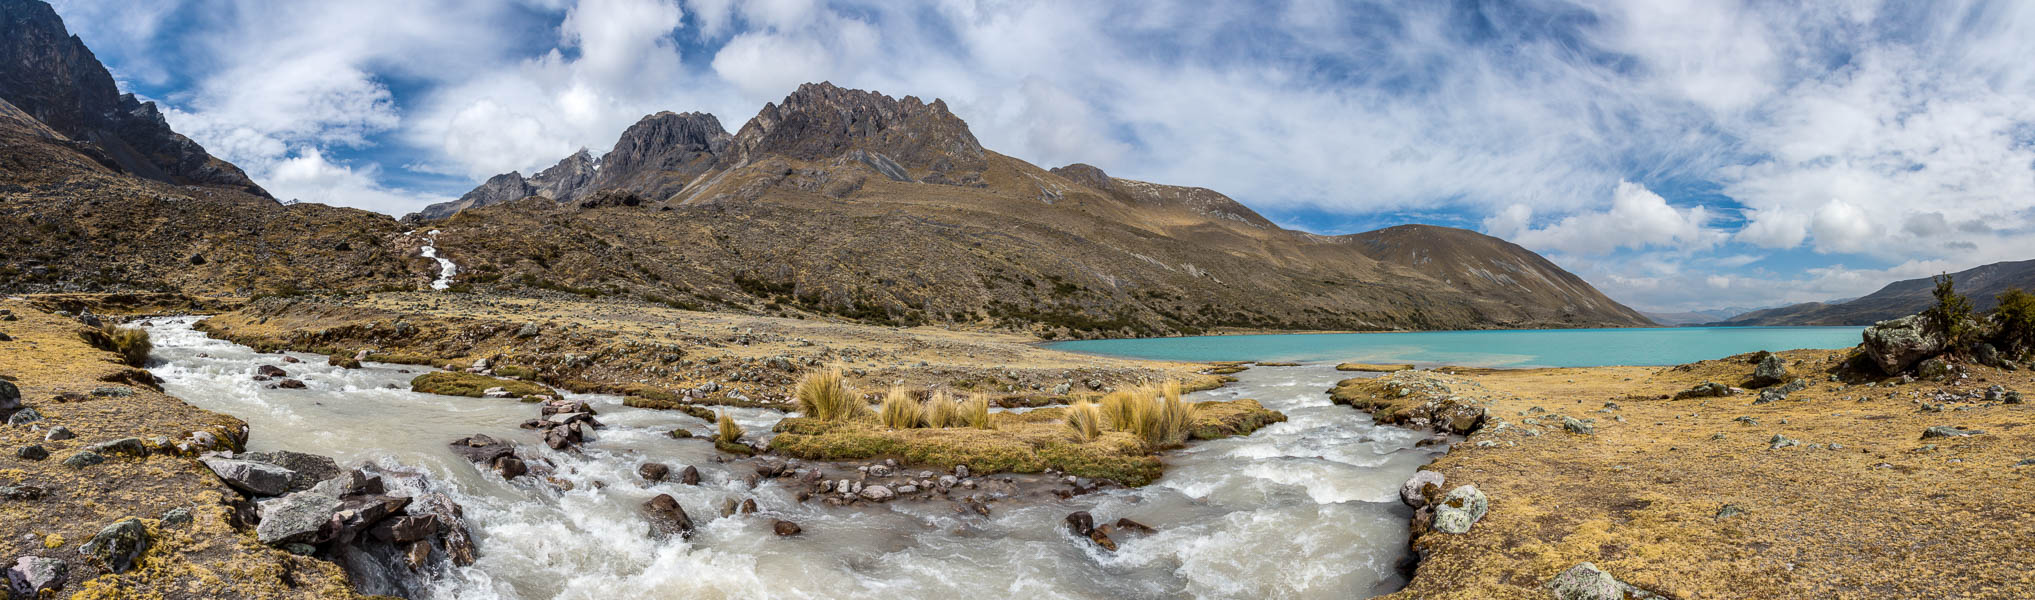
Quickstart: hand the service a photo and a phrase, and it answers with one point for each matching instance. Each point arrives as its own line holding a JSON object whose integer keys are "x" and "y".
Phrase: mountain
{"x": 49, "y": 74}
{"x": 1695, "y": 317}
{"x": 1899, "y": 299}
{"x": 855, "y": 204}
{"x": 654, "y": 158}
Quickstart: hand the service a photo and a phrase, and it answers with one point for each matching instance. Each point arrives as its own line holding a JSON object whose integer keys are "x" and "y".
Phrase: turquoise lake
{"x": 1507, "y": 348}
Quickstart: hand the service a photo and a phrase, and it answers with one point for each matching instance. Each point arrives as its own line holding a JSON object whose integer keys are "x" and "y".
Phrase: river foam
{"x": 1302, "y": 509}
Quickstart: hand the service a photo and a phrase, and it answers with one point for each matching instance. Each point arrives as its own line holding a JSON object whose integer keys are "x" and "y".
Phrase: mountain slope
{"x": 851, "y": 203}
{"x": 1899, "y": 299}
{"x": 51, "y": 75}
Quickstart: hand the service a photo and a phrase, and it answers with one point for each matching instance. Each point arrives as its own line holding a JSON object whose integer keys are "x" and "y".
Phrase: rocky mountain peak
{"x": 50, "y": 74}
{"x": 821, "y": 120}
{"x": 660, "y": 154}
{"x": 1085, "y": 174}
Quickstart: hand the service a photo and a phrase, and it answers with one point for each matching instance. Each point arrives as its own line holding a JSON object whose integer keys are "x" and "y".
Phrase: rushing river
{"x": 1633, "y": 346}
{"x": 1304, "y": 509}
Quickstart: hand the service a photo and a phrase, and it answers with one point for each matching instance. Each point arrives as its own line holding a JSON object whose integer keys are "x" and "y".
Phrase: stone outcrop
{"x": 51, "y": 75}
{"x": 1897, "y": 344}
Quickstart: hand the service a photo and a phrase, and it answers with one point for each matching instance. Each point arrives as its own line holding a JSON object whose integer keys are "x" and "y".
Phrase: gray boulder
{"x": 297, "y": 518}
{"x": 1771, "y": 370}
{"x": 1414, "y": 491}
{"x": 122, "y": 446}
{"x": 10, "y": 398}
{"x": 118, "y": 545}
{"x": 1586, "y": 582}
{"x": 1940, "y": 431}
{"x": 24, "y": 416}
{"x": 1897, "y": 344}
{"x": 32, "y": 575}
{"x": 1460, "y": 509}
{"x": 1707, "y": 389}
{"x": 667, "y": 518}
{"x": 254, "y": 478}
{"x": 307, "y": 469}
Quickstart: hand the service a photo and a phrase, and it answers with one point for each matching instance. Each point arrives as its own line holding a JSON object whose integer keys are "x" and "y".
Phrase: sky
{"x": 1679, "y": 155}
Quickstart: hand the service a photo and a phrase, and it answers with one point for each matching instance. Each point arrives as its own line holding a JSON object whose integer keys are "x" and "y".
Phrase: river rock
{"x": 1419, "y": 487}
{"x": 307, "y": 469}
{"x": 1770, "y": 370}
{"x": 253, "y": 478}
{"x": 748, "y": 506}
{"x": 1586, "y": 582}
{"x": 450, "y": 521}
{"x": 290, "y": 384}
{"x": 32, "y": 575}
{"x": 297, "y": 518}
{"x": 1080, "y": 523}
{"x": 1894, "y": 345}
{"x": 118, "y": 545}
{"x": 876, "y": 493}
{"x": 271, "y": 371}
{"x": 417, "y": 554}
{"x": 480, "y": 448}
{"x": 1460, "y": 509}
{"x": 58, "y": 434}
{"x": 785, "y": 528}
{"x": 667, "y": 518}
{"x": 689, "y": 475}
{"x": 653, "y": 472}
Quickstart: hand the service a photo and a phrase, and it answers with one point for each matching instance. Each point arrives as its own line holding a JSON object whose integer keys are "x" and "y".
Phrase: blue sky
{"x": 1679, "y": 155}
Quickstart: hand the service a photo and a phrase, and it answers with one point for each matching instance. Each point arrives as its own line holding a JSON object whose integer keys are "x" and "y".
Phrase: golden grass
{"x": 942, "y": 411}
{"x": 472, "y": 385}
{"x": 975, "y": 412}
{"x": 725, "y": 429}
{"x": 1118, "y": 408}
{"x": 1085, "y": 419}
{"x": 822, "y": 395}
{"x": 131, "y": 344}
{"x": 901, "y": 411}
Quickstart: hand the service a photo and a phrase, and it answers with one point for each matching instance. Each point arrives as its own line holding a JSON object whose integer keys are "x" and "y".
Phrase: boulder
{"x": 1771, "y": 370}
{"x": 10, "y": 398}
{"x": 32, "y": 575}
{"x": 290, "y": 384}
{"x": 1578, "y": 426}
{"x": 24, "y": 416}
{"x": 253, "y": 478}
{"x": 785, "y": 528}
{"x": 307, "y": 469}
{"x": 58, "y": 434}
{"x": 1080, "y": 523}
{"x": 1707, "y": 389}
{"x": 480, "y": 448}
{"x": 511, "y": 467}
{"x": 689, "y": 475}
{"x": 271, "y": 371}
{"x": 450, "y": 520}
{"x": 118, "y": 545}
{"x": 406, "y": 528}
{"x": 1940, "y": 431}
{"x": 120, "y": 447}
{"x": 653, "y": 472}
{"x": 31, "y": 452}
{"x": 1419, "y": 487}
{"x": 84, "y": 458}
{"x": 297, "y": 518}
{"x": 667, "y": 518}
{"x": 1460, "y": 509}
{"x": 175, "y": 518}
{"x": 1933, "y": 368}
{"x": 1586, "y": 582}
{"x": 417, "y": 554}
{"x": 877, "y": 493}
{"x": 1897, "y": 344}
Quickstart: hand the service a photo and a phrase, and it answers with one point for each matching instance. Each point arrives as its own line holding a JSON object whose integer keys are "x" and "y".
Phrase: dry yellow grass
{"x": 822, "y": 395}
{"x": 1861, "y": 508}
{"x": 725, "y": 429}
{"x": 942, "y": 411}
{"x": 1085, "y": 420}
{"x": 901, "y": 411}
{"x": 975, "y": 412}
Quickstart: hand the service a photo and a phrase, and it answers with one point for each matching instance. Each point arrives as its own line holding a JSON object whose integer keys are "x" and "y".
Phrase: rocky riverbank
{"x": 102, "y": 494}
{"x": 1796, "y": 475}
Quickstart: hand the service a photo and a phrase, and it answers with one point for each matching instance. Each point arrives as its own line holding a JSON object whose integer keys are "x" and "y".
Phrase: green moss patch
{"x": 450, "y": 383}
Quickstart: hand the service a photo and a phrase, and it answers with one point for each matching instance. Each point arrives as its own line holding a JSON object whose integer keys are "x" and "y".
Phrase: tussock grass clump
{"x": 822, "y": 395}
{"x": 1119, "y": 408}
{"x": 975, "y": 412}
{"x": 942, "y": 411}
{"x": 472, "y": 385}
{"x": 725, "y": 429}
{"x": 131, "y": 344}
{"x": 1085, "y": 419}
{"x": 900, "y": 411}
{"x": 1159, "y": 417}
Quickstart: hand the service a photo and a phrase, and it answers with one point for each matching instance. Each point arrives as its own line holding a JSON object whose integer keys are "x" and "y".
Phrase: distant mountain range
{"x": 1899, "y": 299}
{"x": 834, "y": 203}
{"x": 1699, "y": 316}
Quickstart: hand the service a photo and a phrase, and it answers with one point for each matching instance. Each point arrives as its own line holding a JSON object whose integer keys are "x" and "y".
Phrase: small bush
{"x": 900, "y": 411}
{"x": 131, "y": 344}
{"x": 725, "y": 429}
{"x": 975, "y": 412}
{"x": 941, "y": 411}
{"x": 822, "y": 395}
{"x": 1085, "y": 419}
{"x": 1952, "y": 313}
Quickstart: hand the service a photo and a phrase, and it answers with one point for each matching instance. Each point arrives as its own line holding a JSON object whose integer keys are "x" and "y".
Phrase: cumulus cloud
{"x": 1637, "y": 219}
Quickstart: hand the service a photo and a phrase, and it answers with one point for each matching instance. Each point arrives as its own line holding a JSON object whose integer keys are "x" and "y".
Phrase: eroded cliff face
{"x": 51, "y": 75}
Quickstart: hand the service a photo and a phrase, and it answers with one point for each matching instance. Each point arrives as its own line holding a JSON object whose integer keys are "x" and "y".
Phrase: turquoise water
{"x": 1510, "y": 348}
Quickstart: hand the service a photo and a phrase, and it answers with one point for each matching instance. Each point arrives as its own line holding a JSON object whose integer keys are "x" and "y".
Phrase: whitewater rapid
{"x": 1302, "y": 509}
{"x": 445, "y": 267}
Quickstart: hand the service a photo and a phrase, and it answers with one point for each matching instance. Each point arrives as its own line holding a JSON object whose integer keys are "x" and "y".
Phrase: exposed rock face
{"x": 119, "y": 545}
{"x": 1900, "y": 343}
{"x": 660, "y": 154}
{"x": 564, "y": 182}
{"x": 254, "y": 478}
{"x": 52, "y": 76}
{"x": 1771, "y": 370}
{"x": 1460, "y": 509}
{"x": 821, "y": 121}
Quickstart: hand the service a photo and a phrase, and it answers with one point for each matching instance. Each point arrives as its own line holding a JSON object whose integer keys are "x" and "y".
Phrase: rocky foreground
{"x": 1805, "y": 474}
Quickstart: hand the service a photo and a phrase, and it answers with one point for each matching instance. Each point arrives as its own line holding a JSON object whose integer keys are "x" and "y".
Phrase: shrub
{"x": 941, "y": 411}
{"x": 1085, "y": 418}
{"x": 900, "y": 411}
{"x": 822, "y": 395}
{"x": 726, "y": 431}
{"x": 975, "y": 412}
{"x": 1952, "y": 313}
{"x": 131, "y": 344}
{"x": 2016, "y": 316}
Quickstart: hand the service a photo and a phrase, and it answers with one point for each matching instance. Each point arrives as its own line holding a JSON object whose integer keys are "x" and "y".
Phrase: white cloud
{"x": 309, "y": 177}
{"x": 1638, "y": 219}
